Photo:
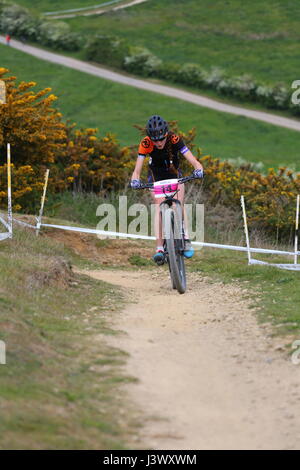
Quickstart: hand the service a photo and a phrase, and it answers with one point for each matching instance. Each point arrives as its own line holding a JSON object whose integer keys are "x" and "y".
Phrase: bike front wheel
{"x": 175, "y": 247}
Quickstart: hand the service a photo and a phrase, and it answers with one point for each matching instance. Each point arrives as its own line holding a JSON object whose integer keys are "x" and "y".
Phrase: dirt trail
{"x": 209, "y": 376}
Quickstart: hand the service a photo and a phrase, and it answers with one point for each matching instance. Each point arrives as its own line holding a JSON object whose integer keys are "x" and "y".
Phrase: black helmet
{"x": 157, "y": 128}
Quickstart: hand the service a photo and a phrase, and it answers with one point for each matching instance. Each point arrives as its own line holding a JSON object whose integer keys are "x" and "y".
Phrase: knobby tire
{"x": 175, "y": 251}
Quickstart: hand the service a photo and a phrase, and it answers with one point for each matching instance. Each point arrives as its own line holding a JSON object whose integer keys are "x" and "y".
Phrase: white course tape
{"x": 243, "y": 248}
{"x": 99, "y": 232}
{"x": 3, "y": 236}
{"x": 145, "y": 237}
{"x": 291, "y": 267}
{"x": 24, "y": 223}
{"x": 4, "y": 223}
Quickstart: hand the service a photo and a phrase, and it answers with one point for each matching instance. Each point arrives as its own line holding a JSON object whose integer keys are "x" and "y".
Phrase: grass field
{"x": 257, "y": 38}
{"x": 93, "y": 102}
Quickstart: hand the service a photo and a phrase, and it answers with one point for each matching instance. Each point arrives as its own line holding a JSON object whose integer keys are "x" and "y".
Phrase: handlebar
{"x": 185, "y": 179}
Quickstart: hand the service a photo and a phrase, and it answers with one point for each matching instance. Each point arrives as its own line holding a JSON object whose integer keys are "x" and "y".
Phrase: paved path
{"x": 97, "y": 11}
{"x": 149, "y": 86}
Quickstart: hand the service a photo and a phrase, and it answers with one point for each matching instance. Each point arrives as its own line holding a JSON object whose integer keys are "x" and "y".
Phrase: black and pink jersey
{"x": 163, "y": 163}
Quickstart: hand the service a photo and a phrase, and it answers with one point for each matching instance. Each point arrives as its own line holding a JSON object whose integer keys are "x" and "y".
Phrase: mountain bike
{"x": 172, "y": 228}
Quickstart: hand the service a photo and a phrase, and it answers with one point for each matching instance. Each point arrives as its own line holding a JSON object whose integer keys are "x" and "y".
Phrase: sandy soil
{"x": 209, "y": 377}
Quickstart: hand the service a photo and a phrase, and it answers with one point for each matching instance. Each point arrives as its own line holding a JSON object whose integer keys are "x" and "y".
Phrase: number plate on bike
{"x": 165, "y": 187}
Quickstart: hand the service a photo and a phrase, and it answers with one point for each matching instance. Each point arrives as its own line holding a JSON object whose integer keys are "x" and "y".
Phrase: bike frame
{"x": 170, "y": 201}
{"x": 174, "y": 242}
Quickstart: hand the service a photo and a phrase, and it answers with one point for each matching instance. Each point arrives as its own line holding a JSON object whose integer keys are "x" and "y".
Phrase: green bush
{"x": 142, "y": 61}
{"x": 276, "y": 97}
{"x": 294, "y": 108}
{"x": 19, "y": 22}
{"x": 108, "y": 50}
{"x": 57, "y": 34}
{"x": 281, "y": 96}
{"x": 213, "y": 77}
{"x": 226, "y": 86}
{"x": 191, "y": 74}
{"x": 168, "y": 71}
{"x": 244, "y": 88}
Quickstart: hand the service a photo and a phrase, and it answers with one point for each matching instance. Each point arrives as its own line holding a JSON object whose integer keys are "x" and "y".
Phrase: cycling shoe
{"x": 188, "y": 249}
{"x": 159, "y": 257}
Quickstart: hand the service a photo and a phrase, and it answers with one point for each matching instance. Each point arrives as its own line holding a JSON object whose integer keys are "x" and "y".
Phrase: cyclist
{"x": 163, "y": 147}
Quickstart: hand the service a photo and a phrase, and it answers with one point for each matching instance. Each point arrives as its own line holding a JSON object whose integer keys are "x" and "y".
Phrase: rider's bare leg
{"x": 180, "y": 196}
{"x": 157, "y": 221}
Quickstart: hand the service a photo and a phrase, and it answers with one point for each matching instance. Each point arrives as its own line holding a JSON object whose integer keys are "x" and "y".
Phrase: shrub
{"x": 35, "y": 132}
{"x": 190, "y": 74}
{"x": 142, "y": 61}
{"x": 213, "y": 77}
{"x": 280, "y": 97}
{"x": 294, "y": 108}
{"x": 264, "y": 94}
{"x": 169, "y": 71}
{"x": 27, "y": 184}
{"x": 108, "y": 50}
{"x": 226, "y": 86}
{"x": 270, "y": 198}
{"x": 92, "y": 164}
{"x": 276, "y": 97}
{"x": 243, "y": 87}
{"x": 57, "y": 34}
{"x": 17, "y": 21}
{"x": 35, "y": 129}
{"x": 77, "y": 159}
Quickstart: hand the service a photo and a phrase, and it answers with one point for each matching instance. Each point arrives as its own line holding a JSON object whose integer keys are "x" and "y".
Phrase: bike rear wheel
{"x": 175, "y": 247}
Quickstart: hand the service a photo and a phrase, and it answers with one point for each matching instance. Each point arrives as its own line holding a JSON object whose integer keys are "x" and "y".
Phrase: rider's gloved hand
{"x": 198, "y": 173}
{"x": 135, "y": 184}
